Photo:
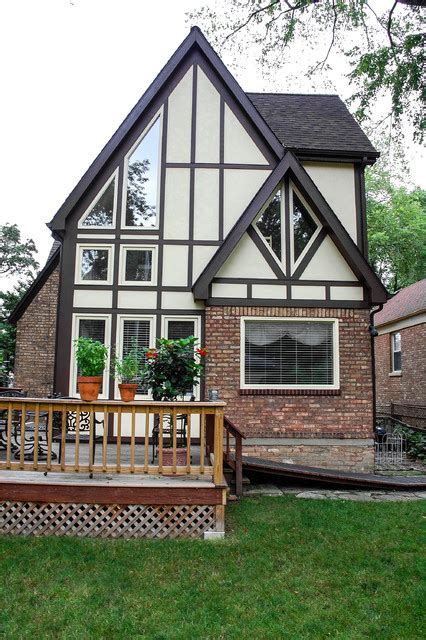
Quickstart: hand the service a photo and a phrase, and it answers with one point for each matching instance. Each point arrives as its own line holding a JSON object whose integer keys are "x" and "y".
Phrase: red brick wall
{"x": 410, "y": 386}
{"x": 35, "y": 341}
{"x": 348, "y": 415}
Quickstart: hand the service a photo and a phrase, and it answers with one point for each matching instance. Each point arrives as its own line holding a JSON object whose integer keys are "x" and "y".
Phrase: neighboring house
{"x": 236, "y": 217}
{"x": 401, "y": 354}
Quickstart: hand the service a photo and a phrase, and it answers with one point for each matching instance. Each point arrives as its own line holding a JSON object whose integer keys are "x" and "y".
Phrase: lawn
{"x": 289, "y": 568}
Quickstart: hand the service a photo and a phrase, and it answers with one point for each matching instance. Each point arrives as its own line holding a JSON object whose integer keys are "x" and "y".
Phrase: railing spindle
{"x": 174, "y": 439}
{"x": 63, "y": 438}
{"x": 77, "y": 438}
{"x": 218, "y": 446}
{"x": 49, "y": 437}
{"x": 160, "y": 442}
{"x": 22, "y": 426}
{"x": 132, "y": 441}
{"x": 105, "y": 440}
{"x": 146, "y": 451}
{"x": 202, "y": 439}
{"x": 118, "y": 447}
{"x": 188, "y": 442}
{"x": 9, "y": 435}
{"x": 36, "y": 435}
{"x": 92, "y": 426}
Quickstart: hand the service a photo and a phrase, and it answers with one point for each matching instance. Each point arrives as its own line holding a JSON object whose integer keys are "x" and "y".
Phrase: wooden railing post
{"x": 218, "y": 446}
{"x": 238, "y": 465}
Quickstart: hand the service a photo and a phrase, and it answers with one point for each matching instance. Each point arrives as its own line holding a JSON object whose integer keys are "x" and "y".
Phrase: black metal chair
{"x": 71, "y": 427}
{"x": 10, "y": 393}
{"x": 181, "y": 426}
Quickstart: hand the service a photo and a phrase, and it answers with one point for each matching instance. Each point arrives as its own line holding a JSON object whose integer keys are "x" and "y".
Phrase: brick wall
{"x": 410, "y": 386}
{"x": 35, "y": 341}
{"x": 347, "y": 415}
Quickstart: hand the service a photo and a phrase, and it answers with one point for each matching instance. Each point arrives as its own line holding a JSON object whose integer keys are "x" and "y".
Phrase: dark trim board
{"x": 285, "y": 281}
{"x": 262, "y": 302}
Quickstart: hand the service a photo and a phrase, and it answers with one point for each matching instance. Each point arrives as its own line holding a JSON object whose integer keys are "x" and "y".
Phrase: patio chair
{"x": 181, "y": 425}
{"x": 10, "y": 393}
{"x": 71, "y": 427}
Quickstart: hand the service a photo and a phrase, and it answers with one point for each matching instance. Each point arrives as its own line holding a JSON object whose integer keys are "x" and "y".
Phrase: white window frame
{"x": 119, "y": 344}
{"x": 122, "y": 270}
{"x": 395, "y": 333}
{"x": 336, "y": 354}
{"x": 295, "y": 264}
{"x": 197, "y": 334}
{"x": 113, "y": 178}
{"x": 79, "y": 255}
{"x": 281, "y": 262}
{"x": 158, "y": 115}
{"x": 73, "y": 362}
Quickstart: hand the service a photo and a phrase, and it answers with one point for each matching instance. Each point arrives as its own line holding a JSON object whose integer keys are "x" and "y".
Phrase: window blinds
{"x": 91, "y": 328}
{"x": 178, "y": 329}
{"x": 288, "y": 353}
{"x": 136, "y": 333}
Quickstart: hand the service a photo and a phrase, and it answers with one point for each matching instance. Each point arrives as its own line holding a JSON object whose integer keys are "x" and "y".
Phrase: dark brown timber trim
{"x": 267, "y": 302}
{"x": 265, "y": 252}
{"x": 310, "y": 253}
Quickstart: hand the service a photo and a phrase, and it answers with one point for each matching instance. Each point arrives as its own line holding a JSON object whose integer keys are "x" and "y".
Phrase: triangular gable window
{"x": 304, "y": 227}
{"x": 269, "y": 224}
{"x": 142, "y": 181}
{"x": 101, "y": 211}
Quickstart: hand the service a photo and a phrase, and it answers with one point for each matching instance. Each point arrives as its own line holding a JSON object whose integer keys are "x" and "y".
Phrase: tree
{"x": 389, "y": 60}
{"x": 139, "y": 212}
{"x": 16, "y": 259}
{"x": 396, "y": 221}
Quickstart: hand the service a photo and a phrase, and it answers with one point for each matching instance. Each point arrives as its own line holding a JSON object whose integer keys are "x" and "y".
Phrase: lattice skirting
{"x": 105, "y": 521}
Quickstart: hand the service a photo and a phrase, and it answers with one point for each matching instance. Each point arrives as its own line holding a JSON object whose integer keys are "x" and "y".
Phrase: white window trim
{"x": 393, "y": 370}
{"x": 122, "y": 270}
{"x": 336, "y": 354}
{"x": 119, "y": 345}
{"x": 197, "y": 334}
{"x": 79, "y": 254}
{"x": 280, "y": 263}
{"x": 73, "y": 362}
{"x": 112, "y": 178}
{"x": 158, "y": 115}
{"x": 294, "y": 265}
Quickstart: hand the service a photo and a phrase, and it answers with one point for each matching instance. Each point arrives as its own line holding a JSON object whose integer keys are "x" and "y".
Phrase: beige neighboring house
{"x": 401, "y": 355}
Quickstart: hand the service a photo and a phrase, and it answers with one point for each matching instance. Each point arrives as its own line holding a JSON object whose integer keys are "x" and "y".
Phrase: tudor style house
{"x": 238, "y": 218}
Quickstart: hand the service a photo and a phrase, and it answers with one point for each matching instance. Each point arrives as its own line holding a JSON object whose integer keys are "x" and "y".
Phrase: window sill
{"x": 395, "y": 374}
{"x": 290, "y": 392}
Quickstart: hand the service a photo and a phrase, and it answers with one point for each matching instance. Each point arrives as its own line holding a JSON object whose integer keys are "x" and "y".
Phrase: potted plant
{"x": 126, "y": 370}
{"x": 171, "y": 371}
{"x": 91, "y": 356}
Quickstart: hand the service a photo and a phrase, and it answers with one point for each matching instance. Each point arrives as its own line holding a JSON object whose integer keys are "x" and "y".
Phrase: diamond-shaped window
{"x": 269, "y": 224}
{"x": 304, "y": 227}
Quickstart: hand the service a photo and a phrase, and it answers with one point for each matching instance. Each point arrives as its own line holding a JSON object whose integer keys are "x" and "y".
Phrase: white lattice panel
{"x": 105, "y": 521}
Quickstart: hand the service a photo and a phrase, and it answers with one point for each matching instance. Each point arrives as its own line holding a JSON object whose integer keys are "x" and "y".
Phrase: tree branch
{"x": 333, "y": 38}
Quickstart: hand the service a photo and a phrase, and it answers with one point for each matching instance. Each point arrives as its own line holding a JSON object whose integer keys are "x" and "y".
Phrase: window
{"x": 396, "y": 352}
{"x": 101, "y": 212}
{"x": 138, "y": 265}
{"x": 97, "y": 328}
{"x": 289, "y": 354}
{"x": 302, "y": 225}
{"x": 177, "y": 327}
{"x": 94, "y": 264}
{"x": 141, "y": 188}
{"x": 137, "y": 332}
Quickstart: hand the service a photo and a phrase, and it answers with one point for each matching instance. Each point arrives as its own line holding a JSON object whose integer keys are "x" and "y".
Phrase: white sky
{"x": 71, "y": 71}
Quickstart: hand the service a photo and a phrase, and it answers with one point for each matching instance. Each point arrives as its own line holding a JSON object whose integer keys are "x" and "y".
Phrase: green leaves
{"x": 128, "y": 368}
{"x": 91, "y": 356}
{"x": 16, "y": 257}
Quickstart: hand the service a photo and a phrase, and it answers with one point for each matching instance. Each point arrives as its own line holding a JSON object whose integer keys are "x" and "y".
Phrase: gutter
{"x": 373, "y": 334}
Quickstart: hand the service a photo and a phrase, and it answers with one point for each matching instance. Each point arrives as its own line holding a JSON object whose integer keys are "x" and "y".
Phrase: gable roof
{"x": 289, "y": 165}
{"x": 195, "y": 40}
{"x": 37, "y": 284}
{"x": 407, "y": 302}
{"x": 313, "y": 123}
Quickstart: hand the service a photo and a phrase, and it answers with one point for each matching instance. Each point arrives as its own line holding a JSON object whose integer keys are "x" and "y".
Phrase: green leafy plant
{"x": 127, "y": 369}
{"x": 173, "y": 367}
{"x": 416, "y": 444}
{"x": 91, "y": 356}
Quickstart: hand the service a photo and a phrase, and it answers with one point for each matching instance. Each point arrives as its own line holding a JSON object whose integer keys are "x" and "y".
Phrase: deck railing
{"x": 136, "y": 437}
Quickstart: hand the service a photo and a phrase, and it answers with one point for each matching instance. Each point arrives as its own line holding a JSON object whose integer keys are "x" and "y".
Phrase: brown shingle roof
{"x": 312, "y": 123}
{"x": 407, "y": 302}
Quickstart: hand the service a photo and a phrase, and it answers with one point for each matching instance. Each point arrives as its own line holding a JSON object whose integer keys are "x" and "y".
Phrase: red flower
{"x": 202, "y": 352}
{"x": 151, "y": 354}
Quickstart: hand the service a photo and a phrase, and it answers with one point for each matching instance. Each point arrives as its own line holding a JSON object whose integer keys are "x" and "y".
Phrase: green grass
{"x": 289, "y": 568}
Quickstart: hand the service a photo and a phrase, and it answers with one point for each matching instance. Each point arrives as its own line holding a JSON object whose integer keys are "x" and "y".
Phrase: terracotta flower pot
{"x": 128, "y": 391}
{"x": 180, "y": 457}
{"x": 88, "y": 387}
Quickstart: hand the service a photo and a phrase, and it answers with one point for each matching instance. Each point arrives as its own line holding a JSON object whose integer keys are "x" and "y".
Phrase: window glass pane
{"x": 396, "y": 352}
{"x": 101, "y": 213}
{"x": 397, "y": 342}
{"x": 303, "y": 227}
{"x": 91, "y": 328}
{"x": 139, "y": 265}
{"x": 269, "y": 224}
{"x": 142, "y": 180}
{"x": 177, "y": 329}
{"x": 136, "y": 333}
{"x": 397, "y": 361}
{"x": 94, "y": 264}
{"x": 288, "y": 353}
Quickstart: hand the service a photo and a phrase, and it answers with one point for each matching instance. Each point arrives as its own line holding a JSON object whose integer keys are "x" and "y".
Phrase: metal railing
{"x": 50, "y": 435}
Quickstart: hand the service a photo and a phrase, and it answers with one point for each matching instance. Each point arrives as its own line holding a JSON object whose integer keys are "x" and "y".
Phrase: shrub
{"x": 91, "y": 356}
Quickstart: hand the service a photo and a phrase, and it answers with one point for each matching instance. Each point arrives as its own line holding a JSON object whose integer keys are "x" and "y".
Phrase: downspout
{"x": 373, "y": 334}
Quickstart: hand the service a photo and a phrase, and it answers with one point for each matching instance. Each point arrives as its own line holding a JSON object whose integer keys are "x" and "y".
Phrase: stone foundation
{"x": 344, "y": 455}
